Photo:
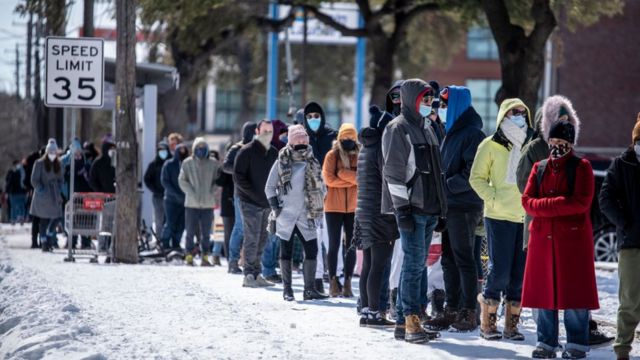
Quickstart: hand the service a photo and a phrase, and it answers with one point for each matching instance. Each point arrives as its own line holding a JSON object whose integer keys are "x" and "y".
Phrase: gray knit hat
{"x": 52, "y": 146}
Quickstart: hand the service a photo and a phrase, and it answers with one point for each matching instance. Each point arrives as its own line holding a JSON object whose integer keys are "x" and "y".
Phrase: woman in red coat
{"x": 560, "y": 273}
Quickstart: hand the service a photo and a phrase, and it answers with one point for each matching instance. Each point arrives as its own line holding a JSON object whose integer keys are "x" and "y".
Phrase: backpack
{"x": 572, "y": 166}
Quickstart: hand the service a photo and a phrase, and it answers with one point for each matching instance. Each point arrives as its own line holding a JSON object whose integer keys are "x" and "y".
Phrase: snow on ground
{"x": 56, "y": 310}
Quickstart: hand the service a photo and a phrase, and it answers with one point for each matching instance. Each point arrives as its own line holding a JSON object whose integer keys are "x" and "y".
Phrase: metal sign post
{"x": 74, "y": 79}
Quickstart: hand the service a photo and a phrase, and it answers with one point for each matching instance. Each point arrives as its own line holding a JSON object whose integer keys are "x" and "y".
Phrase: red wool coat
{"x": 560, "y": 269}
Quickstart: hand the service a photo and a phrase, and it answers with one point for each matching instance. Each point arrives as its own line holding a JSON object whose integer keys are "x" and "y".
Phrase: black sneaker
{"x": 375, "y": 320}
{"x": 312, "y": 294}
{"x": 573, "y": 354}
{"x": 275, "y": 278}
{"x": 596, "y": 337}
{"x": 399, "y": 331}
{"x": 432, "y": 334}
{"x": 542, "y": 353}
{"x": 364, "y": 317}
{"x": 287, "y": 294}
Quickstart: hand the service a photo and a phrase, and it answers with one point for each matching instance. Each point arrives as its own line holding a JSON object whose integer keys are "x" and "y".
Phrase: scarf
{"x": 314, "y": 198}
{"x": 516, "y": 137}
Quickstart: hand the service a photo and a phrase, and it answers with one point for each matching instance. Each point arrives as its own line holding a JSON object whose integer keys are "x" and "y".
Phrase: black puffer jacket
{"x": 620, "y": 199}
{"x": 371, "y": 225}
{"x": 102, "y": 176}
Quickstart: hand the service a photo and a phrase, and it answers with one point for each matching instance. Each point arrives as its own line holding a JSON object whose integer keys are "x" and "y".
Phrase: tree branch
{"x": 405, "y": 17}
{"x": 274, "y": 25}
{"x": 500, "y": 22}
{"x": 328, "y": 20}
{"x": 545, "y": 22}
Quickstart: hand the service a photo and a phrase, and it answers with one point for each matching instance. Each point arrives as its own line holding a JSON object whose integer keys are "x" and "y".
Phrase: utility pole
{"x": 88, "y": 31}
{"x": 126, "y": 242}
{"x": 42, "y": 126}
{"x": 17, "y": 72}
{"x": 27, "y": 93}
{"x": 303, "y": 58}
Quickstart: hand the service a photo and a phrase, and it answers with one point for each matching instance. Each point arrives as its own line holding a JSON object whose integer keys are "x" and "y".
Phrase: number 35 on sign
{"x": 75, "y": 72}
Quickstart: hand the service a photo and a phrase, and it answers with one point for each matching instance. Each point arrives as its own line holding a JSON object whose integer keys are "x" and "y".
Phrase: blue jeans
{"x": 217, "y": 248}
{"x": 576, "y": 323}
{"x": 270, "y": 256}
{"x": 18, "y": 207}
{"x": 506, "y": 260}
{"x": 237, "y": 234}
{"x": 415, "y": 245}
{"x": 173, "y": 224}
{"x": 198, "y": 221}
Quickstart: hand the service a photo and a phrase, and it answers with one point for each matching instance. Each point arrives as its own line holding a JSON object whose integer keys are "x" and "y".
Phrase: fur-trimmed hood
{"x": 550, "y": 111}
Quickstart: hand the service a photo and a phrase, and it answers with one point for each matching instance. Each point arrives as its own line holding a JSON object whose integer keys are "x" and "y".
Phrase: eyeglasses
{"x": 313, "y": 116}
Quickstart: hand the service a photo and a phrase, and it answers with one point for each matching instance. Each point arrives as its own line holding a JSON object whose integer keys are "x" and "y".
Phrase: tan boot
{"x": 334, "y": 289}
{"x": 414, "y": 333}
{"x": 511, "y": 321}
{"x": 489, "y": 318}
{"x": 346, "y": 288}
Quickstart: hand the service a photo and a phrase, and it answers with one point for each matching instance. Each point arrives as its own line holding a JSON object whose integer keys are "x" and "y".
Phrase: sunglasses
{"x": 313, "y": 116}
{"x": 519, "y": 112}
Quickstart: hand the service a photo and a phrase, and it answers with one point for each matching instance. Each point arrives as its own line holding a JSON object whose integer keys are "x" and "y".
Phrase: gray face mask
{"x": 265, "y": 139}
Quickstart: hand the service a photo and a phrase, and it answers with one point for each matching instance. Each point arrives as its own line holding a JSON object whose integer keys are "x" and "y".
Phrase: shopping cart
{"x": 93, "y": 215}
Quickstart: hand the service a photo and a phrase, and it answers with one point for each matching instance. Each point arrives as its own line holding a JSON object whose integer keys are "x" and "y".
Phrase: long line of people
{"x": 422, "y": 166}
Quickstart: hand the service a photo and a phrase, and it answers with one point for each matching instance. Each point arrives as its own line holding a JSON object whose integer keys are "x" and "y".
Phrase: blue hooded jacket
{"x": 169, "y": 178}
{"x": 459, "y": 101}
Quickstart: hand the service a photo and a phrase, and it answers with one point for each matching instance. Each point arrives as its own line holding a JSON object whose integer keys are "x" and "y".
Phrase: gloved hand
{"x": 442, "y": 225}
{"x": 275, "y": 206}
{"x": 404, "y": 216}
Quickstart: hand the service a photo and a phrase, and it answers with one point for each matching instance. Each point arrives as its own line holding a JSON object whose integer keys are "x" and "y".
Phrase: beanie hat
{"x": 312, "y": 108}
{"x": 563, "y": 130}
{"x": 52, "y": 146}
{"x": 162, "y": 145}
{"x": 298, "y": 134}
{"x": 636, "y": 130}
{"x": 346, "y": 131}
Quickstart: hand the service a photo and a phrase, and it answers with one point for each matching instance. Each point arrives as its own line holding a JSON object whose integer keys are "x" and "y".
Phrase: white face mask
{"x": 51, "y": 157}
{"x": 442, "y": 113}
{"x": 112, "y": 153}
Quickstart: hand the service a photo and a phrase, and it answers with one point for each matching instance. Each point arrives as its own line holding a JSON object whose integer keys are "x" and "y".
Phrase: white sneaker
{"x": 262, "y": 282}
{"x": 249, "y": 281}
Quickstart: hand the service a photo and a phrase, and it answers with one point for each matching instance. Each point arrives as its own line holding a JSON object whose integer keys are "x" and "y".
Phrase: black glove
{"x": 442, "y": 225}
{"x": 405, "y": 218}
{"x": 275, "y": 205}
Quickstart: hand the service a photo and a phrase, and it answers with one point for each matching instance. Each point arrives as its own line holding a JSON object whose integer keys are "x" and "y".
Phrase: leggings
{"x": 310, "y": 247}
{"x": 335, "y": 222}
{"x": 376, "y": 258}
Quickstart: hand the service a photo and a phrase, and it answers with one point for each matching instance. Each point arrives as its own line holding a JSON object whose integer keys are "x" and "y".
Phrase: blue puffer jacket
{"x": 169, "y": 178}
{"x": 458, "y": 150}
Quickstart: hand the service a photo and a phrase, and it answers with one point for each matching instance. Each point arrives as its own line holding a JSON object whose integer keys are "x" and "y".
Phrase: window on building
{"x": 481, "y": 45}
{"x": 483, "y": 92}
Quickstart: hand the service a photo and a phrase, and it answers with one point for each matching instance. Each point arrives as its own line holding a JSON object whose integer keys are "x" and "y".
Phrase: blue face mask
{"x": 201, "y": 152}
{"x": 425, "y": 110}
{"x": 314, "y": 124}
{"x": 442, "y": 113}
{"x": 284, "y": 139}
{"x": 519, "y": 120}
{"x": 163, "y": 154}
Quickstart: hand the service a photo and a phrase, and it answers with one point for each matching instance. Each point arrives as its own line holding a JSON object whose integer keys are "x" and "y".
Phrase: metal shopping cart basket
{"x": 93, "y": 215}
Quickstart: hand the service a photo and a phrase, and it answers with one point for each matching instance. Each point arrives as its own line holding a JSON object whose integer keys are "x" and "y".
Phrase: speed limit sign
{"x": 75, "y": 72}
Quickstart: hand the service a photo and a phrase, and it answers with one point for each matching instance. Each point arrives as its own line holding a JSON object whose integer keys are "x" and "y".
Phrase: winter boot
{"x": 511, "y": 321}
{"x": 249, "y": 281}
{"x": 596, "y": 337}
{"x": 414, "y": 333}
{"x": 542, "y": 353}
{"x": 216, "y": 260}
{"x": 574, "y": 354}
{"x": 334, "y": 288}
{"x": 309, "y": 274}
{"x": 285, "y": 267}
{"x": 437, "y": 297}
{"x": 443, "y": 320}
{"x": 376, "y": 320}
{"x": 262, "y": 282}
{"x": 399, "y": 331}
{"x": 466, "y": 321}
{"x": 346, "y": 288}
{"x": 234, "y": 268}
{"x": 364, "y": 316}
{"x": 489, "y": 318}
{"x": 319, "y": 285}
{"x": 205, "y": 261}
{"x": 392, "y": 308}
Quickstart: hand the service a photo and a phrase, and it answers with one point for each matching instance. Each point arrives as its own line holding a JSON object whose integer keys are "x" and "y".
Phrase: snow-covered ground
{"x": 56, "y": 310}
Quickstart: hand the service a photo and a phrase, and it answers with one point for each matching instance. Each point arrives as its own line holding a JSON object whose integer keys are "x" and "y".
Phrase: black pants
{"x": 228, "y": 222}
{"x": 458, "y": 259}
{"x": 375, "y": 260}
{"x": 310, "y": 247}
{"x": 35, "y": 228}
{"x": 335, "y": 222}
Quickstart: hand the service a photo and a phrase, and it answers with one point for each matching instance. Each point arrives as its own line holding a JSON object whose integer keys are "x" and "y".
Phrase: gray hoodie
{"x": 412, "y": 166}
{"x": 198, "y": 179}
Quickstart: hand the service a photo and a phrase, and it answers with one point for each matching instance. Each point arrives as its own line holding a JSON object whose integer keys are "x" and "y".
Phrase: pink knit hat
{"x": 298, "y": 135}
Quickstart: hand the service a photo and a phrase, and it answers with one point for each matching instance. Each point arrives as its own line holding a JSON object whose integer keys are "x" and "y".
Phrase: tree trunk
{"x": 125, "y": 245}
{"x": 383, "y": 62}
{"x": 173, "y": 109}
{"x": 29, "y": 52}
{"x": 522, "y": 74}
{"x": 88, "y": 30}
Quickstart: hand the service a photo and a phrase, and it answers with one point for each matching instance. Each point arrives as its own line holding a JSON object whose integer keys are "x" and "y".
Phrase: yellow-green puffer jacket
{"x": 501, "y": 201}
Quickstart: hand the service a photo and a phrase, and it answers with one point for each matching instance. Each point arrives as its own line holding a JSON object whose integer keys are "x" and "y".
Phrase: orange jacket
{"x": 342, "y": 187}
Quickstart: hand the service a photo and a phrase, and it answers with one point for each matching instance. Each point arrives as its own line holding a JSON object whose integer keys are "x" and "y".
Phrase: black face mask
{"x": 183, "y": 155}
{"x": 300, "y": 147}
{"x": 396, "y": 109}
{"x": 348, "y": 145}
{"x": 558, "y": 151}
